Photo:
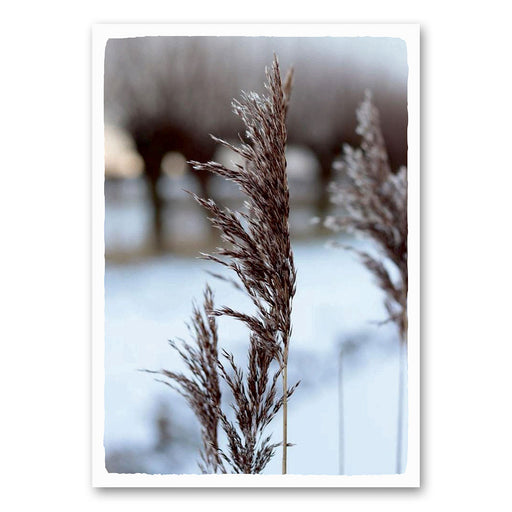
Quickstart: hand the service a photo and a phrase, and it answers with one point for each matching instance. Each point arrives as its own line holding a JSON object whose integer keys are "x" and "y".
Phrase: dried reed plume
{"x": 259, "y": 252}
{"x": 373, "y": 200}
{"x": 202, "y": 389}
{"x": 260, "y": 255}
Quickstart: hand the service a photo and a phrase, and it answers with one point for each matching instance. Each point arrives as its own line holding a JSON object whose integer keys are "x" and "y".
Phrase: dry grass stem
{"x": 373, "y": 200}
{"x": 202, "y": 388}
{"x": 258, "y": 251}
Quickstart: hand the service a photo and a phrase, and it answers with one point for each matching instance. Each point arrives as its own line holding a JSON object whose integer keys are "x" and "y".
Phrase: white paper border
{"x": 410, "y": 33}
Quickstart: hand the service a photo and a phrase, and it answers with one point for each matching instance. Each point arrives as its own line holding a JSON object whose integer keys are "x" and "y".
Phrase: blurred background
{"x": 163, "y": 97}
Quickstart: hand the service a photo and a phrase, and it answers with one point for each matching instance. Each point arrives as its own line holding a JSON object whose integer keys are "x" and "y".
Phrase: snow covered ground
{"x": 149, "y": 428}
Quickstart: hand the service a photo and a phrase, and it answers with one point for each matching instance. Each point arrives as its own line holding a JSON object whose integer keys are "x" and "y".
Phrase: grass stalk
{"x": 341, "y": 418}
{"x": 285, "y": 418}
{"x": 401, "y": 384}
{"x": 373, "y": 202}
{"x": 258, "y": 250}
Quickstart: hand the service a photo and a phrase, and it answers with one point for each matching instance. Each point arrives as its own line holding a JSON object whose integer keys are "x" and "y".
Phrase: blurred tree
{"x": 170, "y": 93}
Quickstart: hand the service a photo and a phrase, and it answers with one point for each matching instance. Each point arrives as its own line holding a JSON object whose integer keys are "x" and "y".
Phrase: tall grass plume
{"x": 258, "y": 250}
{"x": 372, "y": 199}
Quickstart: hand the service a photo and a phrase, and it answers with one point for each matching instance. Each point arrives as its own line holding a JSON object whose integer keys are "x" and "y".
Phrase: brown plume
{"x": 373, "y": 200}
{"x": 258, "y": 251}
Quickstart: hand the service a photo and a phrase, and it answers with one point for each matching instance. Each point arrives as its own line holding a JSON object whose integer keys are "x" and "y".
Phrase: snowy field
{"x": 336, "y": 345}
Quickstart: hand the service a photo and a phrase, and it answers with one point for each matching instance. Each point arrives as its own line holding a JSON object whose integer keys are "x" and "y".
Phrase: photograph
{"x": 256, "y": 310}
{"x": 256, "y": 256}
